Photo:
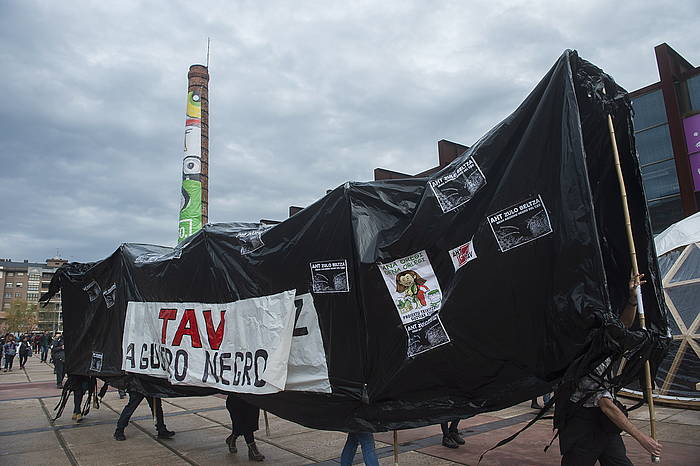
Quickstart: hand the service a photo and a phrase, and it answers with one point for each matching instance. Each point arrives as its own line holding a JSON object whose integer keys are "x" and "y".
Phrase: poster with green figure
{"x": 190, "y": 209}
{"x": 191, "y": 200}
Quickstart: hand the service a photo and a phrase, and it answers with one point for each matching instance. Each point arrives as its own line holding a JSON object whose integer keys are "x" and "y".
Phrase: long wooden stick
{"x": 267, "y": 424}
{"x": 635, "y": 272}
{"x": 396, "y": 448}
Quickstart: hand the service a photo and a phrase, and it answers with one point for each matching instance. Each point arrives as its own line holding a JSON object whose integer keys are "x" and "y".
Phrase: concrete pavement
{"x": 28, "y": 435}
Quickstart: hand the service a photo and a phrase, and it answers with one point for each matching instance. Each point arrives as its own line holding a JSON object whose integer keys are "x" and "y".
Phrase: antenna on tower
{"x": 208, "y": 41}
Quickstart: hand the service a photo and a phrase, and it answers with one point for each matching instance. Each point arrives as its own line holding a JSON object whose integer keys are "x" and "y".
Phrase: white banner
{"x": 244, "y": 346}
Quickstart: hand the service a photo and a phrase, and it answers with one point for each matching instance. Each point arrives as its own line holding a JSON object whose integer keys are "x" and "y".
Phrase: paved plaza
{"x": 29, "y": 437}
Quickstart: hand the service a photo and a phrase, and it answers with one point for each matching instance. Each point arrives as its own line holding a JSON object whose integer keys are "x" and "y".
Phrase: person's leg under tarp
{"x": 135, "y": 399}
{"x": 156, "y": 405}
{"x": 349, "y": 450}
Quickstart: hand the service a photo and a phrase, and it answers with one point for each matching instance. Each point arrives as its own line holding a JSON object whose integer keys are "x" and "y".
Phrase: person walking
{"x": 44, "y": 342}
{"x": 58, "y": 357}
{"x": 592, "y": 433}
{"x": 135, "y": 399}
{"x": 244, "y": 421}
{"x": 10, "y": 350}
{"x": 25, "y": 349}
{"x": 366, "y": 440}
{"x": 450, "y": 434}
{"x": 81, "y": 385}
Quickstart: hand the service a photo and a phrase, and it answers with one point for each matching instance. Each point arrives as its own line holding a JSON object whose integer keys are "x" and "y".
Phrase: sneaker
{"x": 448, "y": 441}
{"x": 75, "y": 416}
{"x": 78, "y": 417}
{"x": 166, "y": 433}
{"x": 119, "y": 435}
{"x": 454, "y": 435}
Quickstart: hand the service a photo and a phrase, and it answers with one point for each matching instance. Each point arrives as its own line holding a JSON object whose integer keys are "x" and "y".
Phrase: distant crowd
{"x": 27, "y": 344}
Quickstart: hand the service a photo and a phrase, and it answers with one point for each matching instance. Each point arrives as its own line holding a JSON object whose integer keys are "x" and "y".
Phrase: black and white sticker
{"x": 330, "y": 276}
{"x": 462, "y": 254}
{"x": 96, "y": 362}
{"x": 150, "y": 257}
{"x": 93, "y": 290}
{"x": 458, "y": 186}
{"x": 521, "y": 223}
{"x": 251, "y": 240}
{"x": 109, "y": 295}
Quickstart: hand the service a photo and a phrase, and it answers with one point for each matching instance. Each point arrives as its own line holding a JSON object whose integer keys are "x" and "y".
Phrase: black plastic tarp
{"x": 524, "y": 233}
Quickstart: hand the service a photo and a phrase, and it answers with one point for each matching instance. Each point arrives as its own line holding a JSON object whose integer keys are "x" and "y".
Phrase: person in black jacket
{"x": 24, "y": 350}
{"x": 58, "y": 357}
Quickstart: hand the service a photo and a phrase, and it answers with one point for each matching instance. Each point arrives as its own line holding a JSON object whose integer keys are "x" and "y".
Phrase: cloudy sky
{"x": 303, "y": 97}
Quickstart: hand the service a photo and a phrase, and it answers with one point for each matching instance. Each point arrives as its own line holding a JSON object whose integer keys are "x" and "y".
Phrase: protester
{"x": 366, "y": 440}
{"x": 25, "y": 350}
{"x": 135, "y": 399}
{"x": 58, "y": 357}
{"x": 10, "y": 350}
{"x": 592, "y": 433}
{"x": 81, "y": 385}
{"x": 244, "y": 421}
{"x": 35, "y": 343}
{"x": 450, "y": 434}
{"x": 44, "y": 342}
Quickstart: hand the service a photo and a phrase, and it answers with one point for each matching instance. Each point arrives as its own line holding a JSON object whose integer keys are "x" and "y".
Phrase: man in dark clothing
{"x": 58, "y": 357}
{"x": 244, "y": 421}
{"x": 44, "y": 345}
{"x": 593, "y": 431}
{"x": 135, "y": 399}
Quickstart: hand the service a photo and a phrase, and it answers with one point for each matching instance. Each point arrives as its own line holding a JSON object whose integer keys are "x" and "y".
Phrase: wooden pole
{"x": 267, "y": 424}
{"x": 635, "y": 272}
{"x": 396, "y": 448}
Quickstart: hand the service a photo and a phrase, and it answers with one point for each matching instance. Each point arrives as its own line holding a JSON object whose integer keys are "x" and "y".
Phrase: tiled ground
{"x": 28, "y": 437}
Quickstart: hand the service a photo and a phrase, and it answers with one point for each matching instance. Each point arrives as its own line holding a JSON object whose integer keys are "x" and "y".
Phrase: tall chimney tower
{"x": 194, "y": 204}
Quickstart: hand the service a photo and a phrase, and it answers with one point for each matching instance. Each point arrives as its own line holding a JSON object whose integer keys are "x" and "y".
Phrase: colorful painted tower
{"x": 194, "y": 203}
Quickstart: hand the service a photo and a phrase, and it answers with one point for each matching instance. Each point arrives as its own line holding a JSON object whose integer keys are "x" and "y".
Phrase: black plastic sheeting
{"x": 531, "y": 308}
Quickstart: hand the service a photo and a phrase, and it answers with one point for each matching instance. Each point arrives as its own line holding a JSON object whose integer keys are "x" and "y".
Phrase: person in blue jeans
{"x": 366, "y": 440}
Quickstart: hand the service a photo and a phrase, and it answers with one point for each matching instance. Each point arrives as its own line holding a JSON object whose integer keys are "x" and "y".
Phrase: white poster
{"x": 416, "y": 293}
{"x": 307, "y": 371}
{"x": 244, "y": 346}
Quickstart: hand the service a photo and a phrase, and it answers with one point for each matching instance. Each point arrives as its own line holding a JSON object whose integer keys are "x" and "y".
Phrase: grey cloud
{"x": 303, "y": 98}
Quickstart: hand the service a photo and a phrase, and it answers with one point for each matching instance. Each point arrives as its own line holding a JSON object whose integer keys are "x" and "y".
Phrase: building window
{"x": 18, "y": 285}
{"x": 35, "y": 276}
{"x": 33, "y": 287}
{"x": 10, "y": 274}
{"x": 8, "y": 295}
{"x": 18, "y": 295}
{"x": 33, "y": 296}
{"x": 658, "y": 167}
{"x": 694, "y": 93}
{"x": 20, "y": 274}
{"x": 665, "y": 212}
{"x": 9, "y": 285}
{"x": 1, "y": 272}
{"x": 654, "y": 145}
{"x": 649, "y": 110}
{"x": 6, "y": 306}
{"x": 660, "y": 179}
